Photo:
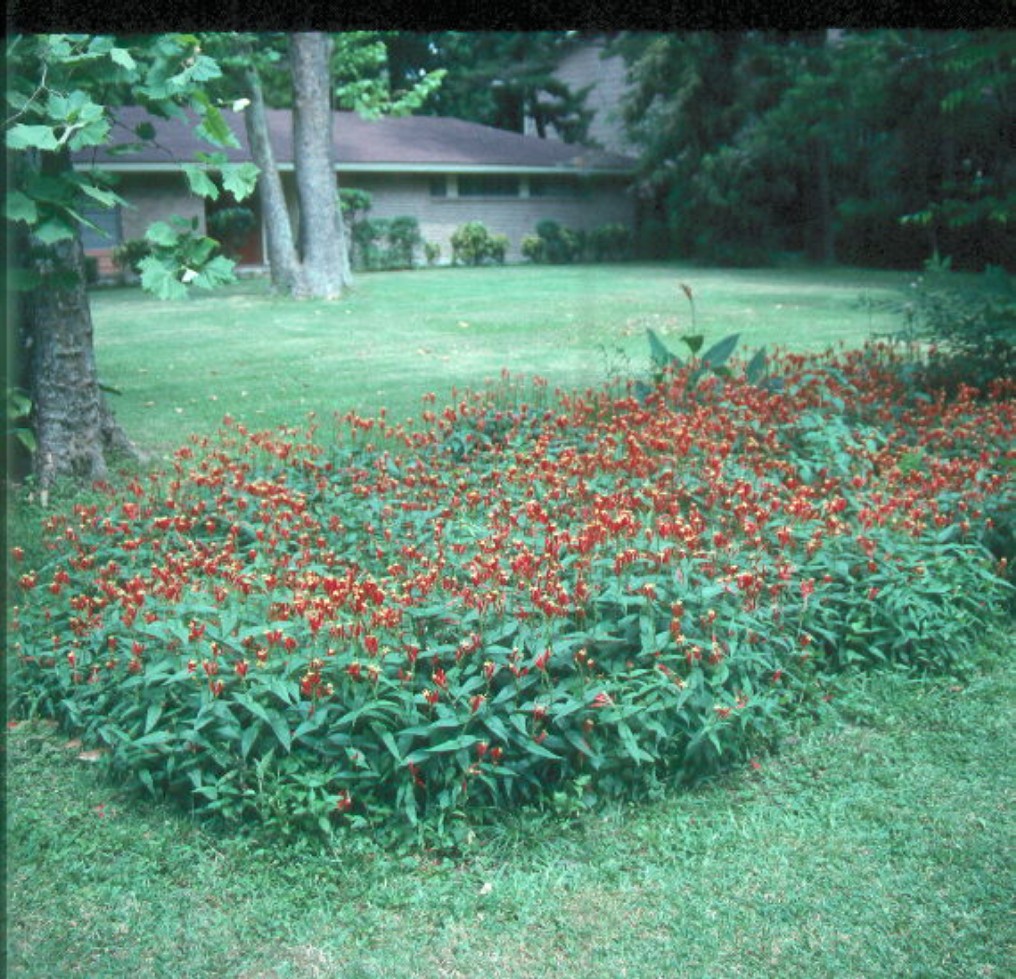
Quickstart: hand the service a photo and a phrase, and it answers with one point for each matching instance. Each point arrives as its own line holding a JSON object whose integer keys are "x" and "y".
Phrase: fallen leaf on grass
{"x": 94, "y": 755}
{"x": 73, "y": 744}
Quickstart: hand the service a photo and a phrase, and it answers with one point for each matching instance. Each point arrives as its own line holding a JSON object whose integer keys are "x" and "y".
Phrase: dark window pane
{"x": 482, "y": 185}
{"x": 108, "y": 221}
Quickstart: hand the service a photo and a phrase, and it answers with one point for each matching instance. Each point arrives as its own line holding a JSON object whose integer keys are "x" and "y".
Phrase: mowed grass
{"x": 878, "y": 843}
{"x": 181, "y": 366}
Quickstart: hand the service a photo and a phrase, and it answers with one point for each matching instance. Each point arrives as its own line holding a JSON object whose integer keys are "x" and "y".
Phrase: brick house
{"x": 444, "y": 172}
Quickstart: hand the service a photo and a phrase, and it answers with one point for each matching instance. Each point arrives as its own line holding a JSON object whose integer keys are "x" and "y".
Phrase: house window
{"x": 439, "y": 186}
{"x": 553, "y": 187}
{"x": 485, "y": 185}
{"x": 107, "y": 220}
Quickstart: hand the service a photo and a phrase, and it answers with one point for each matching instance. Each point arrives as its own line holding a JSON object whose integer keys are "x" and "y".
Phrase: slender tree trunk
{"x": 825, "y": 202}
{"x": 287, "y": 276}
{"x": 322, "y": 238}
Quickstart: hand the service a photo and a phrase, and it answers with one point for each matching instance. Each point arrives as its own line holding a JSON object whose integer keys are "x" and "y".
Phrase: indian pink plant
{"x": 405, "y": 627}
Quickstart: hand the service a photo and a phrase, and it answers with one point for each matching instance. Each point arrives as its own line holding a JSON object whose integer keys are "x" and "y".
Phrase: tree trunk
{"x": 287, "y": 276}
{"x": 825, "y": 201}
{"x": 74, "y": 428}
{"x": 322, "y": 239}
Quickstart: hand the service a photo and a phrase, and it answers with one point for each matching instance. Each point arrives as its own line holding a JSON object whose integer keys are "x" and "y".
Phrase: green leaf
{"x": 757, "y": 367}
{"x": 694, "y": 342}
{"x": 215, "y": 129}
{"x": 660, "y": 354}
{"x": 106, "y": 198}
{"x": 247, "y": 739}
{"x": 217, "y": 272}
{"x": 123, "y": 58}
{"x": 20, "y": 207}
{"x": 160, "y": 233}
{"x": 152, "y": 716}
{"x": 240, "y": 179}
{"x": 22, "y": 137}
{"x": 631, "y": 746}
{"x": 54, "y": 230}
{"x": 719, "y": 353}
{"x": 160, "y": 279}
{"x": 200, "y": 183}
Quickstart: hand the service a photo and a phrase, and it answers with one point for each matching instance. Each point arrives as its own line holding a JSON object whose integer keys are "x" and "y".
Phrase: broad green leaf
{"x": 719, "y": 353}
{"x": 757, "y": 366}
{"x": 107, "y": 198}
{"x": 123, "y": 58}
{"x": 240, "y": 179}
{"x": 20, "y": 207}
{"x": 199, "y": 181}
{"x": 160, "y": 280}
{"x": 160, "y": 233}
{"x": 694, "y": 342}
{"x": 54, "y": 230}
{"x": 660, "y": 354}
{"x": 22, "y": 137}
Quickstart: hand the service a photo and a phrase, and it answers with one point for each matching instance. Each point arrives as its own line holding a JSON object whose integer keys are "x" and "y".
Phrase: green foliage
{"x": 498, "y": 78}
{"x": 127, "y": 256}
{"x": 532, "y": 248}
{"x": 870, "y": 147}
{"x": 473, "y": 244}
{"x": 64, "y": 91}
{"x": 386, "y": 243}
{"x": 180, "y": 256}
{"x": 432, "y": 252}
{"x": 407, "y": 629}
{"x": 230, "y": 226}
{"x": 560, "y": 246}
{"x": 970, "y": 324}
{"x": 17, "y": 413}
{"x": 610, "y": 243}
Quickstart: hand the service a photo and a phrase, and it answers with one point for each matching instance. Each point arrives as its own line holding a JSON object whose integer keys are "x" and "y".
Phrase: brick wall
{"x": 395, "y": 195}
{"x": 157, "y": 196}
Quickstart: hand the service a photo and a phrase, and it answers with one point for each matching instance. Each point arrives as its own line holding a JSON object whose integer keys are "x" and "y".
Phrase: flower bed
{"x": 403, "y": 628}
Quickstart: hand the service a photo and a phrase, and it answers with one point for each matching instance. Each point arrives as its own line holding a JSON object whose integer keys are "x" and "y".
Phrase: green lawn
{"x": 879, "y": 843}
{"x": 182, "y": 365}
{"x": 876, "y": 843}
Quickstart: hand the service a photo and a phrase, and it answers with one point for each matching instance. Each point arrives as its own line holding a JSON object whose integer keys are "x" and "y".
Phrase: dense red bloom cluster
{"x": 500, "y": 546}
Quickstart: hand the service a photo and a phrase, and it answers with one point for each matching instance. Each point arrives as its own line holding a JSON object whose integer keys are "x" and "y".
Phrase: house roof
{"x": 405, "y": 143}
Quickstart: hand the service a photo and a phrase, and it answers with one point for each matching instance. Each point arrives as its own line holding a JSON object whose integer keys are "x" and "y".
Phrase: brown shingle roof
{"x": 387, "y": 143}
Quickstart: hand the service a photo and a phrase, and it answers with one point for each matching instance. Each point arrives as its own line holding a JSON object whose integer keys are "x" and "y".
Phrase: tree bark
{"x": 287, "y": 276}
{"x": 322, "y": 238}
{"x": 74, "y": 428}
{"x": 827, "y": 232}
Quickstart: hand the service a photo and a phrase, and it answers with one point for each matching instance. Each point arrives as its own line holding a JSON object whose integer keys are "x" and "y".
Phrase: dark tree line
{"x": 873, "y": 148}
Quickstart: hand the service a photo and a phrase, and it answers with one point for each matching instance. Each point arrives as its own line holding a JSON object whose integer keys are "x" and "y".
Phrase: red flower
{"x": 603, "y": 700}
{"x": 343, "y": 802}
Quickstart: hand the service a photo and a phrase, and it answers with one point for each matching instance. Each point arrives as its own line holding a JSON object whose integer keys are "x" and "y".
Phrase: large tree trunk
{"x": 74, "y": 428}
{"x": 322, "y": 239}
{"x": 287, "y": 276}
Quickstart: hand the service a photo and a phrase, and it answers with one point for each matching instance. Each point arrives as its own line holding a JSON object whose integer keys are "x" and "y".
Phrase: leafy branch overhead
{"x": 62, "y": 99}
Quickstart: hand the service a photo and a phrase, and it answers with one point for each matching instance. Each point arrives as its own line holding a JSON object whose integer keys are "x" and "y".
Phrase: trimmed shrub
{"x": 610, "y": 243}
{"x": 473, "y": 244}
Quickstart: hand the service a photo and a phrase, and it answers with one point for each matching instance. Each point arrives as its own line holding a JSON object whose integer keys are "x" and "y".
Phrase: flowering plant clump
{"x": 404, "y": 627}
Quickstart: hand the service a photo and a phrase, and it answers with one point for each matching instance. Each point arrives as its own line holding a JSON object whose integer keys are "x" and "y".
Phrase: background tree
{"x": 873, "y": 148}
{"x": 497, "y": 78}
{"x": 62, "y": 94}
{"x": 311, "y": 73}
